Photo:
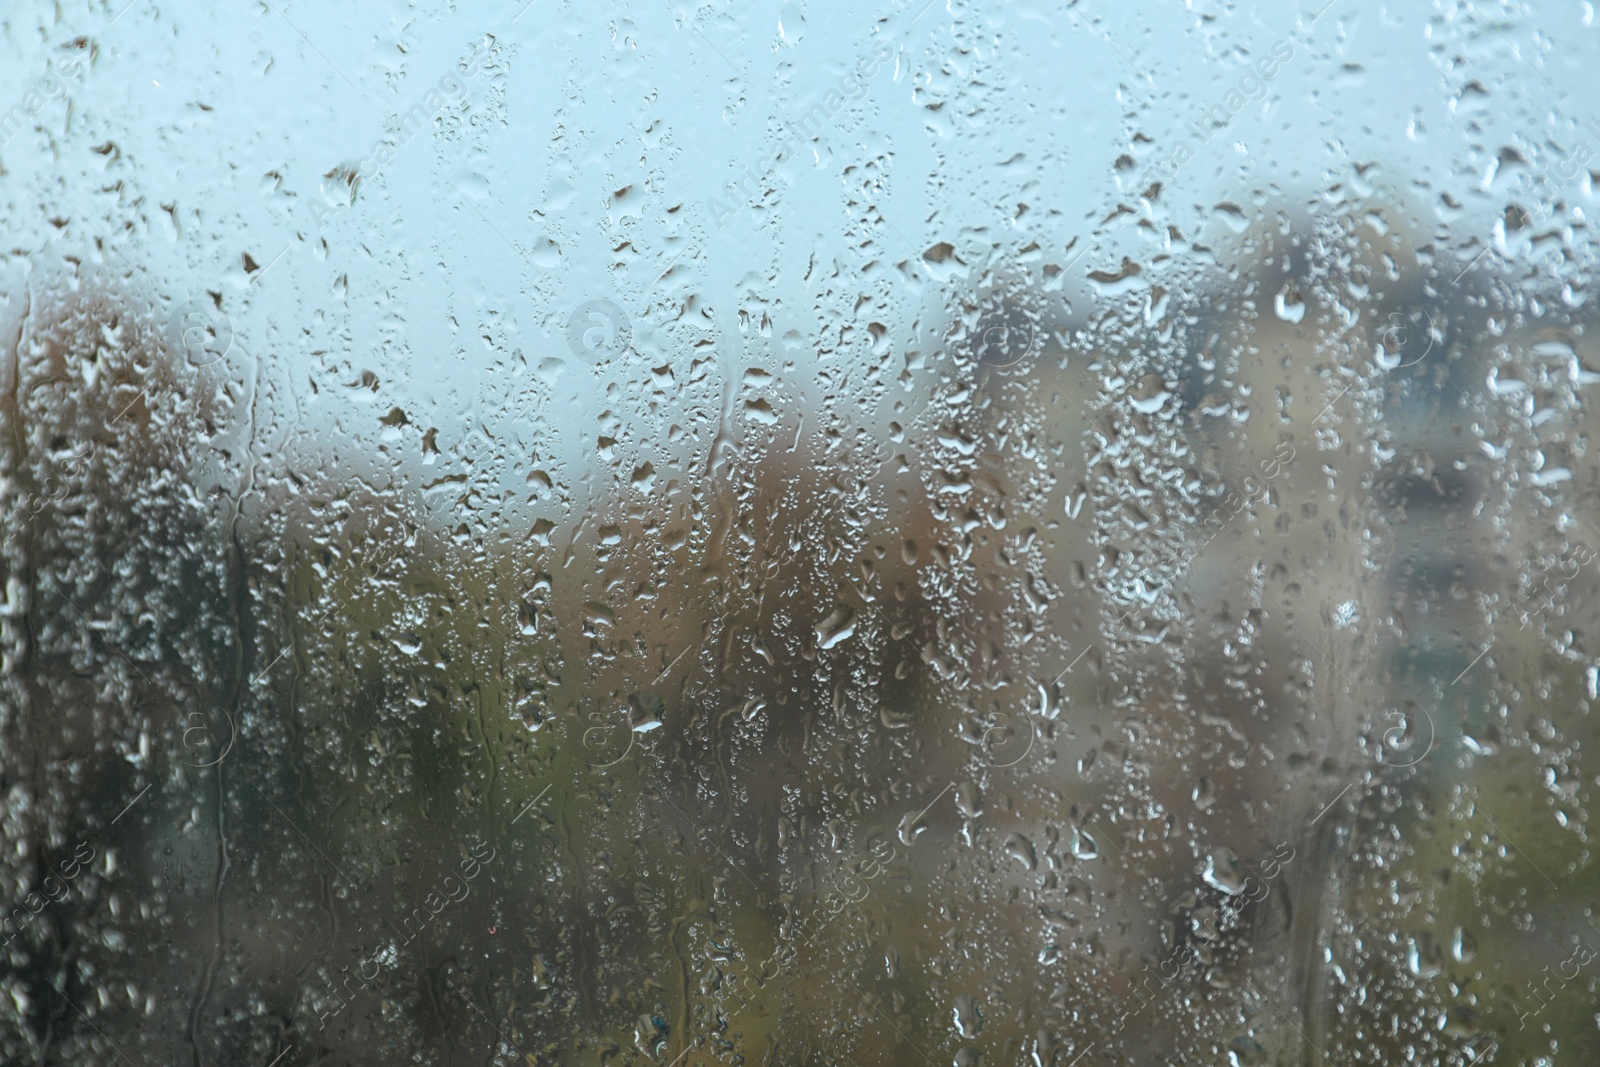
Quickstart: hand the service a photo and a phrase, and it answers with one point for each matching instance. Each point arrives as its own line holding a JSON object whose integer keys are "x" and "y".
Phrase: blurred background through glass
{"x": 798, "y": 533}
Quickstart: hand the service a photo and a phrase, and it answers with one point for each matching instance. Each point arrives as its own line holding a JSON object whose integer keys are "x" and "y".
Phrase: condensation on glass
{"x": 798, "y": 534}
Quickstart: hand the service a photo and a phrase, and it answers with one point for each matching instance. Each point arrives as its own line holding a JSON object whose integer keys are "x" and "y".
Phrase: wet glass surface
{"x": 798, "y": 533}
